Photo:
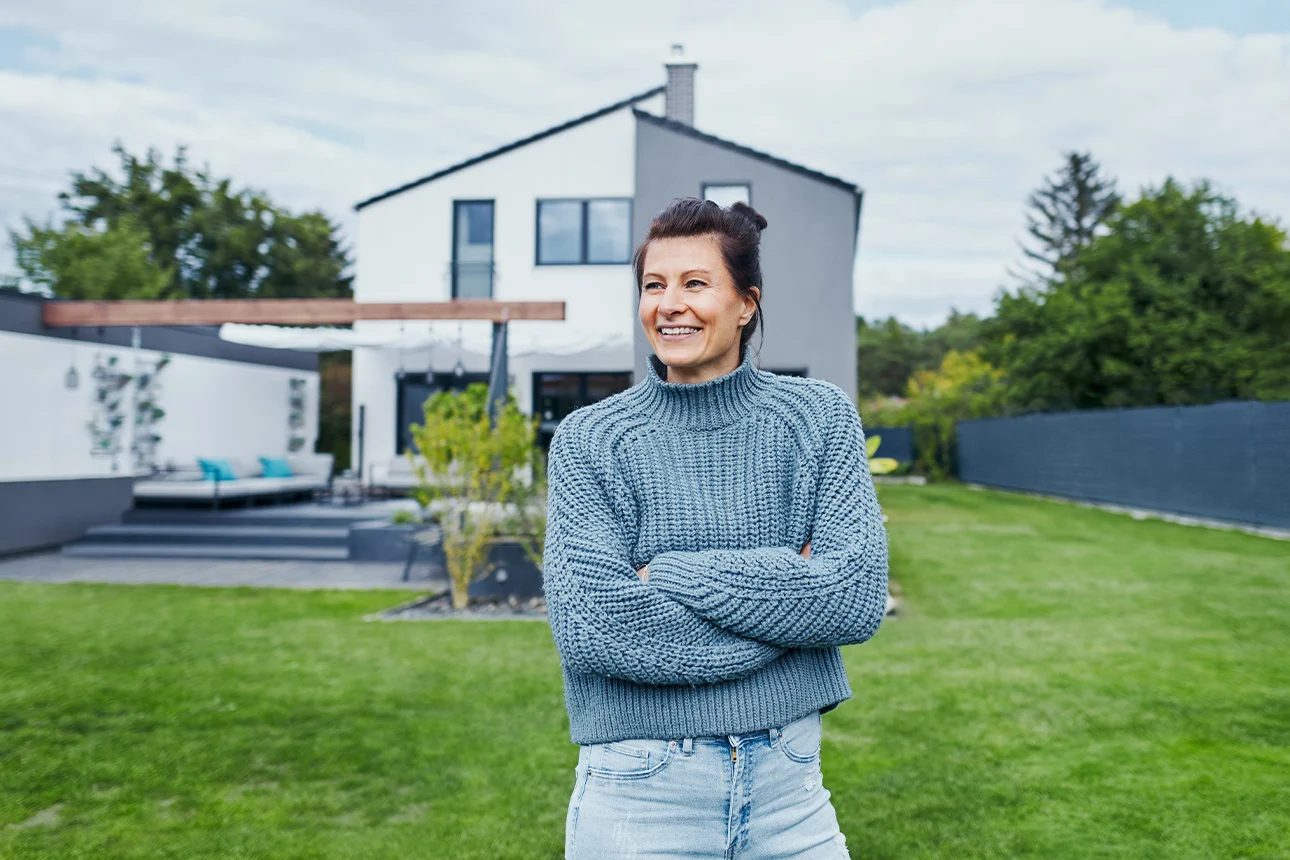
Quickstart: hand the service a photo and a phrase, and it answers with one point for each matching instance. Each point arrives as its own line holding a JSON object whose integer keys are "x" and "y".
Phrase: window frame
{"x": 582, "y": 376}
{"x": 584, "y": 230}
{"x": 726, "y": 183}
{"x": 492, "y": 246}
{"x": 444, "y": 380}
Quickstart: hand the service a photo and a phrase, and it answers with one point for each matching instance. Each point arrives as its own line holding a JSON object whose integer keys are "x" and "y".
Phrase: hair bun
{"x": 750, "y": 213}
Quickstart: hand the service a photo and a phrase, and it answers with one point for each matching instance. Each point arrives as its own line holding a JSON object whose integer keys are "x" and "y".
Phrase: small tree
{"x": 964, "y": 386}
{"x": 478, "y": 475}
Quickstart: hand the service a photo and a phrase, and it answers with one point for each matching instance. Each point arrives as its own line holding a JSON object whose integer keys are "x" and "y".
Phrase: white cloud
{"x": 948, "y": 112}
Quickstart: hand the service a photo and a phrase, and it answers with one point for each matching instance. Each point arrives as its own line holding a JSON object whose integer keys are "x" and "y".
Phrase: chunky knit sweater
{"x": 716, "y": 486}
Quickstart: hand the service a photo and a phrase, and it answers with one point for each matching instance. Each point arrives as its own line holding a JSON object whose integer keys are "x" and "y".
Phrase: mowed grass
{"x": 1063, "y": 683}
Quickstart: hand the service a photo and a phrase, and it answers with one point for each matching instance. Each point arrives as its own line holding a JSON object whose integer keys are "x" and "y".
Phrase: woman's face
{"x": 690, "y": 310}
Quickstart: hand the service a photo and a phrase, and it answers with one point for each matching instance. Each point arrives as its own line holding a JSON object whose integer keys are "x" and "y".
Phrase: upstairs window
{"x": 726, "y": 193}
{"x": 584, "y": 232}
{"x": 472, "y": 249}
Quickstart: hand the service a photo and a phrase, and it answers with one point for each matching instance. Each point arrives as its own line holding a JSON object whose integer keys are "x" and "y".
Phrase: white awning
{"x": 526, "y": 338}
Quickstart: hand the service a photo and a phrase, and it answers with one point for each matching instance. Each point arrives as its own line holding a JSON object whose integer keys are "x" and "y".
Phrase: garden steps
{"x": 237, "y": 535}
{"x": 214, "y": 551}
{"x": 307, "y": 532}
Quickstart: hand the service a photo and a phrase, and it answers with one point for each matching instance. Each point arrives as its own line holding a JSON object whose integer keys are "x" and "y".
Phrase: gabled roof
{"x": 628, "y": 102}
{"x": 691, "y": 131}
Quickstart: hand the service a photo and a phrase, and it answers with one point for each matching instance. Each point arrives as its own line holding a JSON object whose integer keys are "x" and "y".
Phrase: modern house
{"x": 556, "y": 216}
{"x": 87, "y": 409}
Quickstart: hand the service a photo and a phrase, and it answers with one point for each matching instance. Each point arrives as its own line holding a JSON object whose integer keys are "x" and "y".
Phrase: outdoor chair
{"x": 424, "y": 538}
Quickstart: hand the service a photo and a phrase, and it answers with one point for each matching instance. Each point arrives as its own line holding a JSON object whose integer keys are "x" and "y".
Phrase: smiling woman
{"x": 713, "y": 538}
{"x": 698, "y": 274}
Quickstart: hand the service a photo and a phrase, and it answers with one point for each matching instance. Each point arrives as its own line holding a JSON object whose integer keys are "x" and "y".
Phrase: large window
{"x": 725, "y": 193}
{"x": 472, "y": 249}
{"x": 414, "y": 389}
{"x": 578, "y": 232}
{"x": 555, "y": 395}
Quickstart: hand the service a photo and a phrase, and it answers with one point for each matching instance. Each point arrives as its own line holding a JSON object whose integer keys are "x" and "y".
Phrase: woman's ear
{"x": 747, "y": 317}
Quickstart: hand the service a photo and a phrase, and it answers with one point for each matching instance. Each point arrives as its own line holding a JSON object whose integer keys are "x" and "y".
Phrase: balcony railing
{"x": 472, "y": 280}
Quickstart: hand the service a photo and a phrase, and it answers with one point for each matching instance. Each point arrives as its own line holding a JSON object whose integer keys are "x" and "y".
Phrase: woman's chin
{"x": 680, "y": 353}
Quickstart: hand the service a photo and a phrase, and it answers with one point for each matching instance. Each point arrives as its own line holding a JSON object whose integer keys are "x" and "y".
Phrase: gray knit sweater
{"x": 716, "y": 486}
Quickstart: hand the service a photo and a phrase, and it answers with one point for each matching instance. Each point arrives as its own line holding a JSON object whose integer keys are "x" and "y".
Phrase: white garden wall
{"x": 214, "y": 407}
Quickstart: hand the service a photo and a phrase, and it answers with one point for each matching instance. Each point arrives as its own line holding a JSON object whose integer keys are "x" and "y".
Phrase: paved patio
{"x": 54, "y": 567}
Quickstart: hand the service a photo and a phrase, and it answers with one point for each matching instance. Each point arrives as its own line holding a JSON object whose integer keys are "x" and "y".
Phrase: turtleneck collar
{"x": 703, "y": 405}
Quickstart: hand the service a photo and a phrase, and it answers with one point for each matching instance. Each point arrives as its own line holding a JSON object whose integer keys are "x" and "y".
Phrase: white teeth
{"x": 677, "y": 330}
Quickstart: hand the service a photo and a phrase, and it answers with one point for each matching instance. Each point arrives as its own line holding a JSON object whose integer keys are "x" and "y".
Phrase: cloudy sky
{"x": 947, "y": 112}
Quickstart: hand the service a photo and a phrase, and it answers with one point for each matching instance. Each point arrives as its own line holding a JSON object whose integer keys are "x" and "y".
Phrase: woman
{"x": 712, "y": 538}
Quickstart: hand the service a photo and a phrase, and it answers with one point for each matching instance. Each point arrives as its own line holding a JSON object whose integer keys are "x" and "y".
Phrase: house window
{"x": 577, "y": 232}
{"x": 555, "y": 395}
{"x": 725, "y": 193}
{"x": 414, "y": 389}
{"x": 472, "y": 249}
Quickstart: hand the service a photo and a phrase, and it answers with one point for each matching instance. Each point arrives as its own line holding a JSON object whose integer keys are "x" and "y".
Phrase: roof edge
{"x": 501, "y": 150}
{"x": 691, "y": 131}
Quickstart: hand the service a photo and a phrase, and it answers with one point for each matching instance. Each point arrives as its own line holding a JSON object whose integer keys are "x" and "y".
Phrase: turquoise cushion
{"x": 217, "y": 470}
{"x": 276, "y": 467}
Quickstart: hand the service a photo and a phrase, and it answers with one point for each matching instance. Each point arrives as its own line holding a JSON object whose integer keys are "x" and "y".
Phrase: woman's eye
{"x": 694, "y": 282}
{"x": 652, "y": 285}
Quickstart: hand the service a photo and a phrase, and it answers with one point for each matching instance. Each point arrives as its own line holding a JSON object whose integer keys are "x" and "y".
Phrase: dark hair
{"x": 738, "y": 232}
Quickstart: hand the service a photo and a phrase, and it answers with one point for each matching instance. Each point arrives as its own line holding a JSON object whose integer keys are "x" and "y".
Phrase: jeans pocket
{"x": 800, "y": 739}
{"x": 629, "y": 759}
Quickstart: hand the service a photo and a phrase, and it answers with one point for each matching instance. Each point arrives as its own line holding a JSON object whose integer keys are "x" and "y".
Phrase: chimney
{"x": 679, "y": 98}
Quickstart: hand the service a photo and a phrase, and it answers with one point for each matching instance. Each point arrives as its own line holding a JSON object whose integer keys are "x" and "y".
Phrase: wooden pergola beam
{"x": 288, "y": 311}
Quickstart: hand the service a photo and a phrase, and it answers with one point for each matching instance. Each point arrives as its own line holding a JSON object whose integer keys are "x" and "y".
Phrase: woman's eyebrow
{"x": 695, "y": 272}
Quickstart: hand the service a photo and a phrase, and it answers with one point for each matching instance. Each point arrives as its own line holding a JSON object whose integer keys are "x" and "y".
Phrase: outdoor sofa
{"x": 189, "y": 483}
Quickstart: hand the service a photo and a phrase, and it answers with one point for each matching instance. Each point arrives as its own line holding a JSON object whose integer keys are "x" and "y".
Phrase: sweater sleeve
{"x": 605, "y": 621}
{"x": 772, "y": 594}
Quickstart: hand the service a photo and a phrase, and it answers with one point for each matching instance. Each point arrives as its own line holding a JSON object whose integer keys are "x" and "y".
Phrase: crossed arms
{"x": 710, "y": 615}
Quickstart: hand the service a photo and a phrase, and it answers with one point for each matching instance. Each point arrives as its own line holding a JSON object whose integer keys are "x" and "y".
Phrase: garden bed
{"x": 439, "y": 606}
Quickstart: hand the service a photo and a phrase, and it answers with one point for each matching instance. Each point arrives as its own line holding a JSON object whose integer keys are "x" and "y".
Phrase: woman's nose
{"x": 672, "y": 301}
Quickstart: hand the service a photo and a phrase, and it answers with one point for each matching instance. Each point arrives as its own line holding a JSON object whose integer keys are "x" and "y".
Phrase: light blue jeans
{"x": 755, "y": 796}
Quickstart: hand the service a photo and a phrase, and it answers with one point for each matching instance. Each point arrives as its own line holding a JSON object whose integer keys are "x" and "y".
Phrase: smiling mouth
{"x": 675, "y": 333}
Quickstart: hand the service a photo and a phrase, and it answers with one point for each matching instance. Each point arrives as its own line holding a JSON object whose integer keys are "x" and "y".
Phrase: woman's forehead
{"x": 679, "y": 253}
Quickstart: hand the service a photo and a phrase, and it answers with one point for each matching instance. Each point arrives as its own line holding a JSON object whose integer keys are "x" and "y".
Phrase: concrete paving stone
{"x": 54, "y": 567}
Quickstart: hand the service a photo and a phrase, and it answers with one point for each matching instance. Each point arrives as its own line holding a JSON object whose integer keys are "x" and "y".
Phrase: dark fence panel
{"x": 1227, "y": 461}
{"x": 897, "y": 442}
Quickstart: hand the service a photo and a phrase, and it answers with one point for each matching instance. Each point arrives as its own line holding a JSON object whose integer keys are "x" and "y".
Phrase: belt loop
{"x": 771, "y": 734}
{"x": 687, "y": 745}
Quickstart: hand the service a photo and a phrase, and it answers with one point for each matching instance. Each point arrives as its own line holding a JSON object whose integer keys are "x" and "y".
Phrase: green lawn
{"x": 1064, "y": 683}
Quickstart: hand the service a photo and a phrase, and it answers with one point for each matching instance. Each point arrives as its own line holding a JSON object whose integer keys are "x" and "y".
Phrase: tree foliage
{"x": 964, "y": 386}
{"x": 1065, "y": 214}
{"x": 79, "y": 262}
{"x": 1183, "y": 300}
{"x": 482, "y": 479}
{"x": 211, "y": 240}
{"x": 888, "y": 352}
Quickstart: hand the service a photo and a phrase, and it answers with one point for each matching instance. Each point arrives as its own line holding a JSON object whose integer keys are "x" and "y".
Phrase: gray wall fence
{"x": 1225, "y": 461}
{"x": 44, "y": 514}
{"x": 897, "y": 442}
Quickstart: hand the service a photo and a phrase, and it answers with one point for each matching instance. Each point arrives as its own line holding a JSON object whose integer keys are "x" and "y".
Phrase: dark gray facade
{"x": 1226, "y": 461}
{"x": 40, "y": 514}
{"x": 808, "y": 249}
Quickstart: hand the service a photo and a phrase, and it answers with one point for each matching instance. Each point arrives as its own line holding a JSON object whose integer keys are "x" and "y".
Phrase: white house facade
{"x": 556, "y": 216}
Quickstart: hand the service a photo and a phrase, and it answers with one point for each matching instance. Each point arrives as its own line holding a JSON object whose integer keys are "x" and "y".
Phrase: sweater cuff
{"x": 673, "y": 574}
